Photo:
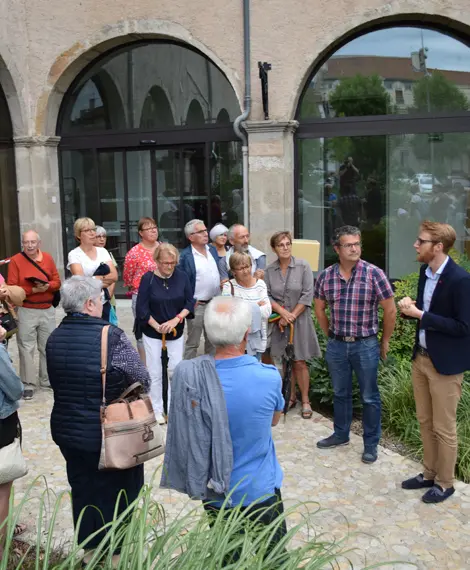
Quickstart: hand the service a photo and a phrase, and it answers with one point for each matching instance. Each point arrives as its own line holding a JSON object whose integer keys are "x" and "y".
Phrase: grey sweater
{"x": 199, "y": 454}
{"x": 11, "y": 388}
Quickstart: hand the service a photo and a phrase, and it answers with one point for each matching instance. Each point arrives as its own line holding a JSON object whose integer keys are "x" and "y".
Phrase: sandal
{"x": 19, "y": 530}
{"x": 307, "y": 411}
{"x": 292, "y": 403}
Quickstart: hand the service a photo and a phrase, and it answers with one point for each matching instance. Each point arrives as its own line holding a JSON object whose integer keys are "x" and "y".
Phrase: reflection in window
{"x": 382, "y": 73}
{"x": 148, "y": 85}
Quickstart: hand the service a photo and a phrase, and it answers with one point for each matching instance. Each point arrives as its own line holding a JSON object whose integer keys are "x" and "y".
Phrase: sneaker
{"x": 369, "y": 455}
{"x": 28, "y": 394}
{"x": 437, "y": 494}
{"x": 160, "y": 419}
{"x": 418, "y": 482}
{"x": 332, "y": 441}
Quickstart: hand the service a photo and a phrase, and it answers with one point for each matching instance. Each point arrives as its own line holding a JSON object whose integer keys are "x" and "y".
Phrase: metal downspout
{"x": 239, "y": 131}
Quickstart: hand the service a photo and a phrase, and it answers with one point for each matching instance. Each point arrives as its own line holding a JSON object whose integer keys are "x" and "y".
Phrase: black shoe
{"x": 369, "y": 455}
{"x": 437, "y": 494}
{"x": 332, "y": 441}
{"x": 418, "y": 482}
{"x": 28, "y": 394}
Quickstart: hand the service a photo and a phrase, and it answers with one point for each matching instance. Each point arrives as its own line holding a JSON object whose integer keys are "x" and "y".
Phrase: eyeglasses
{"x": 420, "y": 241}
{"x": 150, "y": 229}
{"x": 89, "y": 231}
{"x": 199, "y": 232}
{"x": 30, "y": 242}
{"x": 169, "y": 263}
{"x": 243, "y": 268}
{"x": 284, "y": 246}
{"x": 351, "y": 245}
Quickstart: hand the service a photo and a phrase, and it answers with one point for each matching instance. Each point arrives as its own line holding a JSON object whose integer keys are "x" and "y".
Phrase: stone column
{"x": 37, "y": 173}
{"x": 271, "y": 179}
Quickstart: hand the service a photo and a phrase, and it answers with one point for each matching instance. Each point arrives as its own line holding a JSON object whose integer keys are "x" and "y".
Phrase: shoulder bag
{"x": 130, "y": 433}
{"x": 8, "y": 319}
{"x": 56, "y": 297}
{"x": 12, "y": 462}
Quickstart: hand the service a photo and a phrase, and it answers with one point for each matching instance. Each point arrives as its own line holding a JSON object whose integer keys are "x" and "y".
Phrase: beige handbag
{"x": 130, "y": 433}
{"x": 12, "y": 463}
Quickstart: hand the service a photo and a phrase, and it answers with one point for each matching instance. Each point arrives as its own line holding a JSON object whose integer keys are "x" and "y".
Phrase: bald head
{"x": 239, "y": 236}
{"x": 30, "y": 241}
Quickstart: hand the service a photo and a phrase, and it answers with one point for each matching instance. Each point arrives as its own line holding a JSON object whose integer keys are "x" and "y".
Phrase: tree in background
{"x": 443, "y": 95}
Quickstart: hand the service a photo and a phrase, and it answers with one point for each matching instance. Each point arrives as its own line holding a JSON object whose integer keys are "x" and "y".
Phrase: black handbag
{"x": 56, "y": 297}
{"x": 8, "y": 320}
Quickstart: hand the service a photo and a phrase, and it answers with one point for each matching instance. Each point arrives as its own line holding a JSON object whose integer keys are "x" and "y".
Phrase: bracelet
{"x": 180, "y": 318}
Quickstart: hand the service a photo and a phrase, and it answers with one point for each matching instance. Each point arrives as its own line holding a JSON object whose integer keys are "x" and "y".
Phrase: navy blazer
{"x": 189, "y": 267}
{"x": 447, "y": 323}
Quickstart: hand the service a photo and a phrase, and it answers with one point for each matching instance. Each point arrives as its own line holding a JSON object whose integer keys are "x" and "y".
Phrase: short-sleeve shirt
{"x": 252, "y": 394}
{"x": 89, "y": 265}
{"x": 354, "y": 303}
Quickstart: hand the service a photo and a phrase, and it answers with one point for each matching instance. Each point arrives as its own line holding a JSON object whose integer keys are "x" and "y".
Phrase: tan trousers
{"x": 195, "y": 330}
{"x": 437, "y": 397}
{"x": 34, "y": 328}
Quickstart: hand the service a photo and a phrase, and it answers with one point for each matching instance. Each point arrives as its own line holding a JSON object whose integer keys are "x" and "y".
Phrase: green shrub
{"x": 148, "y": 540}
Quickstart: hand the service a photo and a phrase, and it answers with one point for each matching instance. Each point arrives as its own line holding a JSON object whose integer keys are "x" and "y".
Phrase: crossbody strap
{"x": 104, "y": 359}
{"x": 35, "y": 265}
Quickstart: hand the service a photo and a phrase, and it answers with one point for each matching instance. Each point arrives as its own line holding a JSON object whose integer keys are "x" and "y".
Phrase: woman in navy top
{"x": 164, "y": 300}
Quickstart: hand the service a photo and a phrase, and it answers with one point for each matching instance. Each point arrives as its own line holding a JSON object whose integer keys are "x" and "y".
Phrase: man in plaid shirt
{"x": 353, "y": 289}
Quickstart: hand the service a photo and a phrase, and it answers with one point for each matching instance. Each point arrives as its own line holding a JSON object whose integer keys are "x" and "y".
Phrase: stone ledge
{"x": 28, "y": 142}
{"x": 270, "y": 126}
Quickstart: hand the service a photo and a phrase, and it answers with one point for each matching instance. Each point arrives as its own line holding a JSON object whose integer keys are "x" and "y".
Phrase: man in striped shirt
{"x": 353, "y": 289}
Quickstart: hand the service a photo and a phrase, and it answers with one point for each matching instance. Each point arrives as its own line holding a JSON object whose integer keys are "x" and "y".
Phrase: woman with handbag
{"x": 11, "y": 390}
{"x": 74, "y": 366}
{"x": 164, "y": 301}
{"x": 92, "y": 261}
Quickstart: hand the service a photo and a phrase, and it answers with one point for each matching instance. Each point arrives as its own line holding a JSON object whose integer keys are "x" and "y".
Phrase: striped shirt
{"x": 255, "y": 294}
{"x": 353, "y": 304}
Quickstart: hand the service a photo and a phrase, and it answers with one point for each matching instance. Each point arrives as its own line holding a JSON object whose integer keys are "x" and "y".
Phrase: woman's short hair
{"x": 100, "y": 231}
{"x": 239, "y": 258}
{"x": 82, "y": 224}
{"x": 278, "y": 236}
{"x": 145, "y": 222}
{"x": 227, "y": 320}
{"x": 76, "y": 291}
{"x": 440, "y": 233}
{"x": 168, "y": 249}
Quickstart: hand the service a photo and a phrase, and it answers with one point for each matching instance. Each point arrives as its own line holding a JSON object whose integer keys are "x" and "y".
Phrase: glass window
{"x": 432, "y": 67}
{"x": 148, "y": 85}
{"x": 385, "y": 185}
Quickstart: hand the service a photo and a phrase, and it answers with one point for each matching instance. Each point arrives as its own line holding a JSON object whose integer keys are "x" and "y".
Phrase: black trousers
{"x": 253, "y": 512}
{"x": 98, "y": 490}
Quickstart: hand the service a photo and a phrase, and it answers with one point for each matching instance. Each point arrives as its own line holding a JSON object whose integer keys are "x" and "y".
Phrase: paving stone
{"x": 363, "y": 505}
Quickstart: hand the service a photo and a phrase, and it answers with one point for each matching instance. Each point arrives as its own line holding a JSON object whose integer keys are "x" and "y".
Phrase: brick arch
{"x": 72, "y": 61}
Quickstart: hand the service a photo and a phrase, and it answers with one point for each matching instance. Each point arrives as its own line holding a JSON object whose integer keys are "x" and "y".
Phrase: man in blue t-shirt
{"x": 254, "y": 404}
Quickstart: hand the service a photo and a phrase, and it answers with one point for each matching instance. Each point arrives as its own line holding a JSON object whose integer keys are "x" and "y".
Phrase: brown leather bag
{"x": 130, "y": 433}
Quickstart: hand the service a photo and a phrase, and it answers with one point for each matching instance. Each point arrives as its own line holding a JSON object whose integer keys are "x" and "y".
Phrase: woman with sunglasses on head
{"x": 89, "y": 260}
{"x": 290, "y": 289}
{"x": 164, "y": 301}
{"x": 138, "y": 261}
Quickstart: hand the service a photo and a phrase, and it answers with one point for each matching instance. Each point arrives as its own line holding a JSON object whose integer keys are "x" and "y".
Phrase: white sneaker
{"x": 160, "y": 419}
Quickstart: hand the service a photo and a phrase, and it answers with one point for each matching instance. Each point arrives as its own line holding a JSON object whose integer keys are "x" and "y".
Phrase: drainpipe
{"x": 247, "y": 108}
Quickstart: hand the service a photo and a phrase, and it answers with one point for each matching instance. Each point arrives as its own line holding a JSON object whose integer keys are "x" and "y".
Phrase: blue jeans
{"x": 362, "y": 357}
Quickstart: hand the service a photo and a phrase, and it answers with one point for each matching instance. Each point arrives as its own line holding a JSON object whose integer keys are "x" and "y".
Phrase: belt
{"x": 349, "y": 338}
{"x": 422, "y": 351}
{"x": 203, "y": 302}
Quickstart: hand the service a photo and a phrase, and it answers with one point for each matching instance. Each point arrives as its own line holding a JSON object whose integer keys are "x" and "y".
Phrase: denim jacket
{"x": 198, "y": 455}
{"x": 11, "y": 388}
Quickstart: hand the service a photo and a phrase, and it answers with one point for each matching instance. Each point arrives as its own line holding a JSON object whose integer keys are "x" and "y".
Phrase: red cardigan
{"x": 19, "y": 268}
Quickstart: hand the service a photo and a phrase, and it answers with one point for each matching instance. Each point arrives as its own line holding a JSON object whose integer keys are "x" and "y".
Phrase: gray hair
{"x": 100, "y": 231}
{"x": 226, "y": 320}
{"x": 190, "y": 226}
{"x": 345, "y": 231}
{"x": 231, "y": 230}
{"x": 28, "y": 231}
{"x": 77, "y": 290}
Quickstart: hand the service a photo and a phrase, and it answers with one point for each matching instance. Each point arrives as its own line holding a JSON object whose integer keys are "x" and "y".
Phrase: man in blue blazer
{"x": 441, "y": 355}
{"x": 200, "y": 262}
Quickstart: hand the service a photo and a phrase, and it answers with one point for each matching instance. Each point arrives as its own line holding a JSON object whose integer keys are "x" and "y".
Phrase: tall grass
{"x": 148, "y": 540}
